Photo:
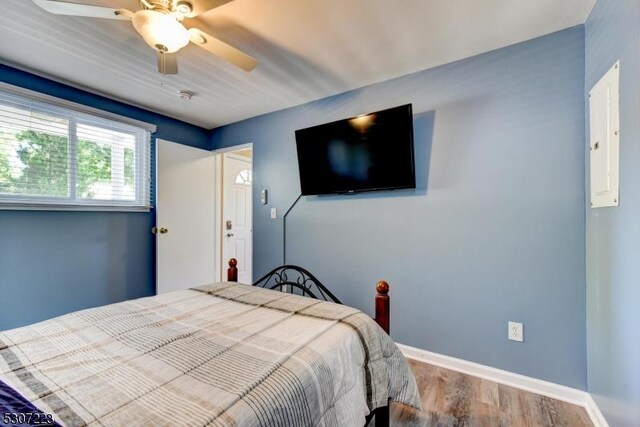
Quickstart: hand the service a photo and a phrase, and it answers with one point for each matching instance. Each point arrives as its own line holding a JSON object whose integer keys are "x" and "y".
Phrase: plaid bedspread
{"x": 219, "y": 355}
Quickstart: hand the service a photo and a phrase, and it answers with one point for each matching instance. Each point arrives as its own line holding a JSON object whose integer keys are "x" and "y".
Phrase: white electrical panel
{"x": 604, "y": 140}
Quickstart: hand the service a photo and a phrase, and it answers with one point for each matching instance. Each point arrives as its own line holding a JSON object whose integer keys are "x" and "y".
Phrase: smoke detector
{"x": 186, "y": 95}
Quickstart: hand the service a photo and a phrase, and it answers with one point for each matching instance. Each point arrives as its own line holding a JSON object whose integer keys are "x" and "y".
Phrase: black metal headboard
{"x": 289, "y": 277}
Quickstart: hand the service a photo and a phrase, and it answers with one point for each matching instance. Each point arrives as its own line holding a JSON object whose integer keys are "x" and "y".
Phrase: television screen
{"x": 364, "y": 153}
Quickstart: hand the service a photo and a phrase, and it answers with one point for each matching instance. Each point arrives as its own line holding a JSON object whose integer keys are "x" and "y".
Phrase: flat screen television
{"x": 365, "y": 153}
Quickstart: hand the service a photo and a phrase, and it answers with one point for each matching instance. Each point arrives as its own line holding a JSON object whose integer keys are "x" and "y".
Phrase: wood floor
{"x": 454, "y": 399}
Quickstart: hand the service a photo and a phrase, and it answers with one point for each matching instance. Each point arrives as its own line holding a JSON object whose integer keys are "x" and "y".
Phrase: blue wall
{"x": 613, "y": 234}
{"x": 52, "y": 263}
{"x": 168, "y": 128}
{"x": 495, "y": 231}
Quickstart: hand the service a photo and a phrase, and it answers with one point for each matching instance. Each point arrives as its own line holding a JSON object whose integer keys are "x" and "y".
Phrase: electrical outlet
{"x": 516, "y": 332}
{"x": 274, "y": 213}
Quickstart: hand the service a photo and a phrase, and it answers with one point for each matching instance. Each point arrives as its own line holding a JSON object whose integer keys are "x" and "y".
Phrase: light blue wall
{"x": 53, "y": 263}
{"x": 612, "y": 32}
{"x": 495, "y": 231}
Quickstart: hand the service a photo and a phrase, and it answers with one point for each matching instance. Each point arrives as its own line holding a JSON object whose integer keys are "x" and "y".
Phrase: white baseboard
{"x": 596, "y": 416}
{"x": 534, "y": 385}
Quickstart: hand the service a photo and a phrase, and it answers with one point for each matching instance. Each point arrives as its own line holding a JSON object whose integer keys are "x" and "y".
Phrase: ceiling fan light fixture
{"x": 197, "y": 38}
{"x": 184, "y": 7}
{"x": 160, "y": 30}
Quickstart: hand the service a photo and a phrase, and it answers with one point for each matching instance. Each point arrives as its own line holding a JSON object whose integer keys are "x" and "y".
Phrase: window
{"x": 244, "y": 177}
{"x": 52, "y": 156}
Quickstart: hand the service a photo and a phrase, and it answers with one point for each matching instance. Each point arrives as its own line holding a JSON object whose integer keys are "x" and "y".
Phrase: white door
{"x": 237, "y": 219}
{"x": 185, "y": 208}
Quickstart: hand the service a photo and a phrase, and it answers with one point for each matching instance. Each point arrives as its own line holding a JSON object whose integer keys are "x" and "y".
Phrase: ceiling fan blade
{"x": 167, "y": 63}
{"x": 201, "y": 6}
{"x": 86, "y": 10}
{"x": 221, "y": 49}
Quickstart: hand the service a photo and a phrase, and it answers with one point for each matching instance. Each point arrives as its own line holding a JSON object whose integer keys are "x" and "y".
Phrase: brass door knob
{"x": 161, "y": 230}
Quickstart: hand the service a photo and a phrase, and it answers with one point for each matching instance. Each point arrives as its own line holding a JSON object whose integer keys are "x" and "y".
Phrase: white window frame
{"x": 80, "y": 114}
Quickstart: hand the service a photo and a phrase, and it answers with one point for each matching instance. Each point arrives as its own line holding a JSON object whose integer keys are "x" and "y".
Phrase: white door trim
{"x": 233, "y": 148}
{"x": 221, "y": 269}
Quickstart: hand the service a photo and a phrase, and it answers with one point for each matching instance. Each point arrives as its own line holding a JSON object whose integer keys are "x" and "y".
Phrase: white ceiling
{"x": 307, "y": 49}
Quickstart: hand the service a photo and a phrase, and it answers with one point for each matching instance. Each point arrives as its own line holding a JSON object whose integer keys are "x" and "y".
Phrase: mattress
{"x": 224, "y": 354}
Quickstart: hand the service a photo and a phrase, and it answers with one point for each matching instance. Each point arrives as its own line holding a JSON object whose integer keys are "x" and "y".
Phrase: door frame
{"x": 220, "y": 264}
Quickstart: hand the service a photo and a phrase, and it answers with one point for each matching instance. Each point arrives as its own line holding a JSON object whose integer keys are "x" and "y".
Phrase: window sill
{"x": 72, "y": 208}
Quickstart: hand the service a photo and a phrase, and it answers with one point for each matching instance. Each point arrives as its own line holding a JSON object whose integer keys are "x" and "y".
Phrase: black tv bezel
{"x": 409, "y": 109}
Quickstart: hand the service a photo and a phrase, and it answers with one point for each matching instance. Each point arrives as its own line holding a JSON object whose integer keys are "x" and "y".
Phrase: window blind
{"x": 52, "y": 156}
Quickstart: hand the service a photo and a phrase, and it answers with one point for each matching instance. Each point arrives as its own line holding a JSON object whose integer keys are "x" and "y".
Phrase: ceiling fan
{"x": 160, "y": 23}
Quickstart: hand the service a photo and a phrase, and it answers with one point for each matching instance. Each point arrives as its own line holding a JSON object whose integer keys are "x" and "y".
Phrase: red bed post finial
{"x": 232, "y": 271}
{"x": 382, "y": 305}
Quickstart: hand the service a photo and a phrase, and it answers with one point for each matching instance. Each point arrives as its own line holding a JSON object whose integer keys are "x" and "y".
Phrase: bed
{"x": 223, "y": 354}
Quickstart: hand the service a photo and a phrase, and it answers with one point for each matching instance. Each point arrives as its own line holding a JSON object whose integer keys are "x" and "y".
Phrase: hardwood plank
{"x": 488, "y": 393}
{"x": 454, "y": 399}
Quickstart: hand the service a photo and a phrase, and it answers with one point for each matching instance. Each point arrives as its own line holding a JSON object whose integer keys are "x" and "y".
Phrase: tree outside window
{"x": 58, "y": 158}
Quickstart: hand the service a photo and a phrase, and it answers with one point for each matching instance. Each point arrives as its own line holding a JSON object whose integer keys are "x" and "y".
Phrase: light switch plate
{"x": 274, "y": 213}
